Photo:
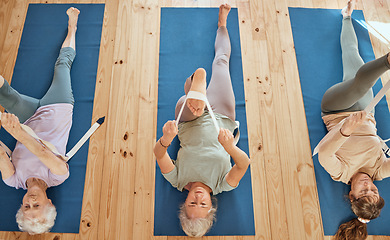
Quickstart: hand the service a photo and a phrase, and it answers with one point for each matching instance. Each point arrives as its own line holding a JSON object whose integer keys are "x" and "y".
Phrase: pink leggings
{"x": 220, "y": 91}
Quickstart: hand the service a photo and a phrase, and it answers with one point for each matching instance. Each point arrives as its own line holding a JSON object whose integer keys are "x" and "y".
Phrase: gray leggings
{"x": 220, "y": 91}
{"x": 60, "y": 90}
{"x": 354, "y": 93}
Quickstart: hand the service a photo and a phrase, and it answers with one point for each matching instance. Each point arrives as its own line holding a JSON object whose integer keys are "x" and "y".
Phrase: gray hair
{"x": 34, "y": 226}
{"x": 197, "y": 227}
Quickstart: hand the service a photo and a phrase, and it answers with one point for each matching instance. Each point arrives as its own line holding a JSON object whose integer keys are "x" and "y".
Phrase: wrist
{"x": 229, "y": 148}
{"x": 165, "y": 142}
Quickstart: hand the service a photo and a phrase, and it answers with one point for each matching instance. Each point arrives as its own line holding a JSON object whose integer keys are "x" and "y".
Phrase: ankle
{"x": 221, "y": 23}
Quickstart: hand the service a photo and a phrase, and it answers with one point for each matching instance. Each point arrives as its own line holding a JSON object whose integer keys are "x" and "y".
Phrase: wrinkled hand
{"x": 352, "y": 122}
{"x": 226, "y": 138}
{"x": 11, "y": 124}
{"x": 170, "y": 131}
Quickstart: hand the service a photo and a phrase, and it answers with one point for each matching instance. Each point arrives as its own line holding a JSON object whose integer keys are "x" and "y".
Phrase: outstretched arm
{"x": 160, "y": 149}
{"x": 11, "y": 123}
{"x": 7, "y": 169}
{"x": 240, "y": 158}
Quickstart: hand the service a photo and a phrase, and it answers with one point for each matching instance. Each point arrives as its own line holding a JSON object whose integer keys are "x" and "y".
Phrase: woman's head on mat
{"x": 198, "y": 202}
{"x": 37, "y": 213}
{"x": 365, "y": 203}
{"x": 363, "y": 186}
{"x": 197, "y": 213}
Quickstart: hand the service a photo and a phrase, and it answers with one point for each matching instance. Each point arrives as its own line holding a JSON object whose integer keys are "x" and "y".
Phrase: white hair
{"x": 34, "y": 226}
{"x": 196, "y": 227}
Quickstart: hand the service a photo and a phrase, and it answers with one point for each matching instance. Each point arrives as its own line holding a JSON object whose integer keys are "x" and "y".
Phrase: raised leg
{"x": 60, "y": 90}
{"x": 194, "y": 108}
{"x": 220, "y": 91}
{"x": 354, "y": 93}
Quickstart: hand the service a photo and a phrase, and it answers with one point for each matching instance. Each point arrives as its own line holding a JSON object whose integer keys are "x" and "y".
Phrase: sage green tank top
{"x": 201, "y": 158}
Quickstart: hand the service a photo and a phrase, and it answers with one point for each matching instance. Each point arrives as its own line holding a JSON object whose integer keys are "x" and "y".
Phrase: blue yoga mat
{"x": 316, "y": 35}
{"x": 187, "y": 43}
{"x": 44, "y": 31}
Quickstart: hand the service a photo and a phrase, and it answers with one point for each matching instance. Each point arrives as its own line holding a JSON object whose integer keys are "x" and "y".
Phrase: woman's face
{"x": 363, "y": 186}
{"x": 198, "y": 203}
{"x": 34, "y": 203}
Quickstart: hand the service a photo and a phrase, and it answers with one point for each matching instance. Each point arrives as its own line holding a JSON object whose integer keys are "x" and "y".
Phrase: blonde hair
{"x": 197, "y": 227}
{"x": 34, "y": 226}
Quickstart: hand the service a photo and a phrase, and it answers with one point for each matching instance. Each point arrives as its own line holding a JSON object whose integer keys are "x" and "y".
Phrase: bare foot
{"x": 199, "y": 85}
{"x": 347, "y": 10}
{"x": 224, "y": 10}
{"x": 73, "y": 14}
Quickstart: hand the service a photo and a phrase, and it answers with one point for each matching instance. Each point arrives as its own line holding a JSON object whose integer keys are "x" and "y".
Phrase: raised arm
{"x": 335, "y": 138}
{"x": 160, "y": 149}
{"x": 11, "y": 123}
{"x": 240, "y": 158}
{"x": 7, "y": 169}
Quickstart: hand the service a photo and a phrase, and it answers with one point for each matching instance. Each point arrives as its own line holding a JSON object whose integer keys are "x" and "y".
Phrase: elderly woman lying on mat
{"x": 203, "y": 162}
{"x": 351, "y": 152}
{"x": 33, "y": 166}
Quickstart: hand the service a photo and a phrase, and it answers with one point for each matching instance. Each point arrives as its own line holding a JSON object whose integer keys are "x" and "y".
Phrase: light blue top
{"x": 201, "y": 158}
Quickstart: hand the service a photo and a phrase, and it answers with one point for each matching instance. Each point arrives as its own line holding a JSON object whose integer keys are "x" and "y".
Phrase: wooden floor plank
{"x": 6, "y": 7}
{"x": 147, "y": 73}
{"x": 251, "y": 76}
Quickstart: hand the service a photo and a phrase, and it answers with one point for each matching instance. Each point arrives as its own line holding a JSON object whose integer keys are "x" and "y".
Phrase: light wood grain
{"x": 251, "y": 76}
{"x": 5, "y": 17}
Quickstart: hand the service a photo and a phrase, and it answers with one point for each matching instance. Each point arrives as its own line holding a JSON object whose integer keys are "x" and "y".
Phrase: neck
{"x": 358, "y": 174}
{"x": 36, "y": 182}
{"x": 199, "y": 184}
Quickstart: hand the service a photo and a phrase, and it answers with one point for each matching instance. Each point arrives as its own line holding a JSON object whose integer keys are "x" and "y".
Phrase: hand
{"x": 170, "y": 131}
{"x": 352, "y": 122}
{"x": 226, "y": 139}
{"x": 11, "y": 124}
{"x": 3, "y": 154}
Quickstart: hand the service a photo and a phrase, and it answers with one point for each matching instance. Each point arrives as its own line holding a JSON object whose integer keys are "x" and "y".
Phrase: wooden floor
{"x": 119, "y": 190}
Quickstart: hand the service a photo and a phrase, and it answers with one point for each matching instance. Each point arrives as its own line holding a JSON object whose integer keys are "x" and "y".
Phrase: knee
{"x": 66, "y": 57}
{"x": 222, "y": 59}
{"x": 63, "y": 62}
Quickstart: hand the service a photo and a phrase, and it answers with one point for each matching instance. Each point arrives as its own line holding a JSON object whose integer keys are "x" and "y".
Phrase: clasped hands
{"x": 170, "y": 130}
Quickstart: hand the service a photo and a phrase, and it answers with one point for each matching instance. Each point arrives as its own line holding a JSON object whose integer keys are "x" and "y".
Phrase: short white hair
{"x": 34, "y": 226}
{"x": 196, "y": 227}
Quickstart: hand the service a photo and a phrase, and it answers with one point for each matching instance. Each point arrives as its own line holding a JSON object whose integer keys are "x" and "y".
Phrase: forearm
{"x": 240, "y": 158}
{"x": 332, "y": 142}
{"x": 7, "y": 169}
{"x": 162, "y": 157}
{"x": 159, "y": 149}
{"x": 49, "y": 159}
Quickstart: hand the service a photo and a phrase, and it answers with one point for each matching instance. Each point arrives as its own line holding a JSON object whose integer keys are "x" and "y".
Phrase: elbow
{"x": 245, "y": 164}
{"x": 248, "y": 163}
{"x": 323, "y": 157}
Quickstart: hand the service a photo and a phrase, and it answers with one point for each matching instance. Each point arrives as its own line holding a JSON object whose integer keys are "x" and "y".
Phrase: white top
{"x": 51, "y": 123}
